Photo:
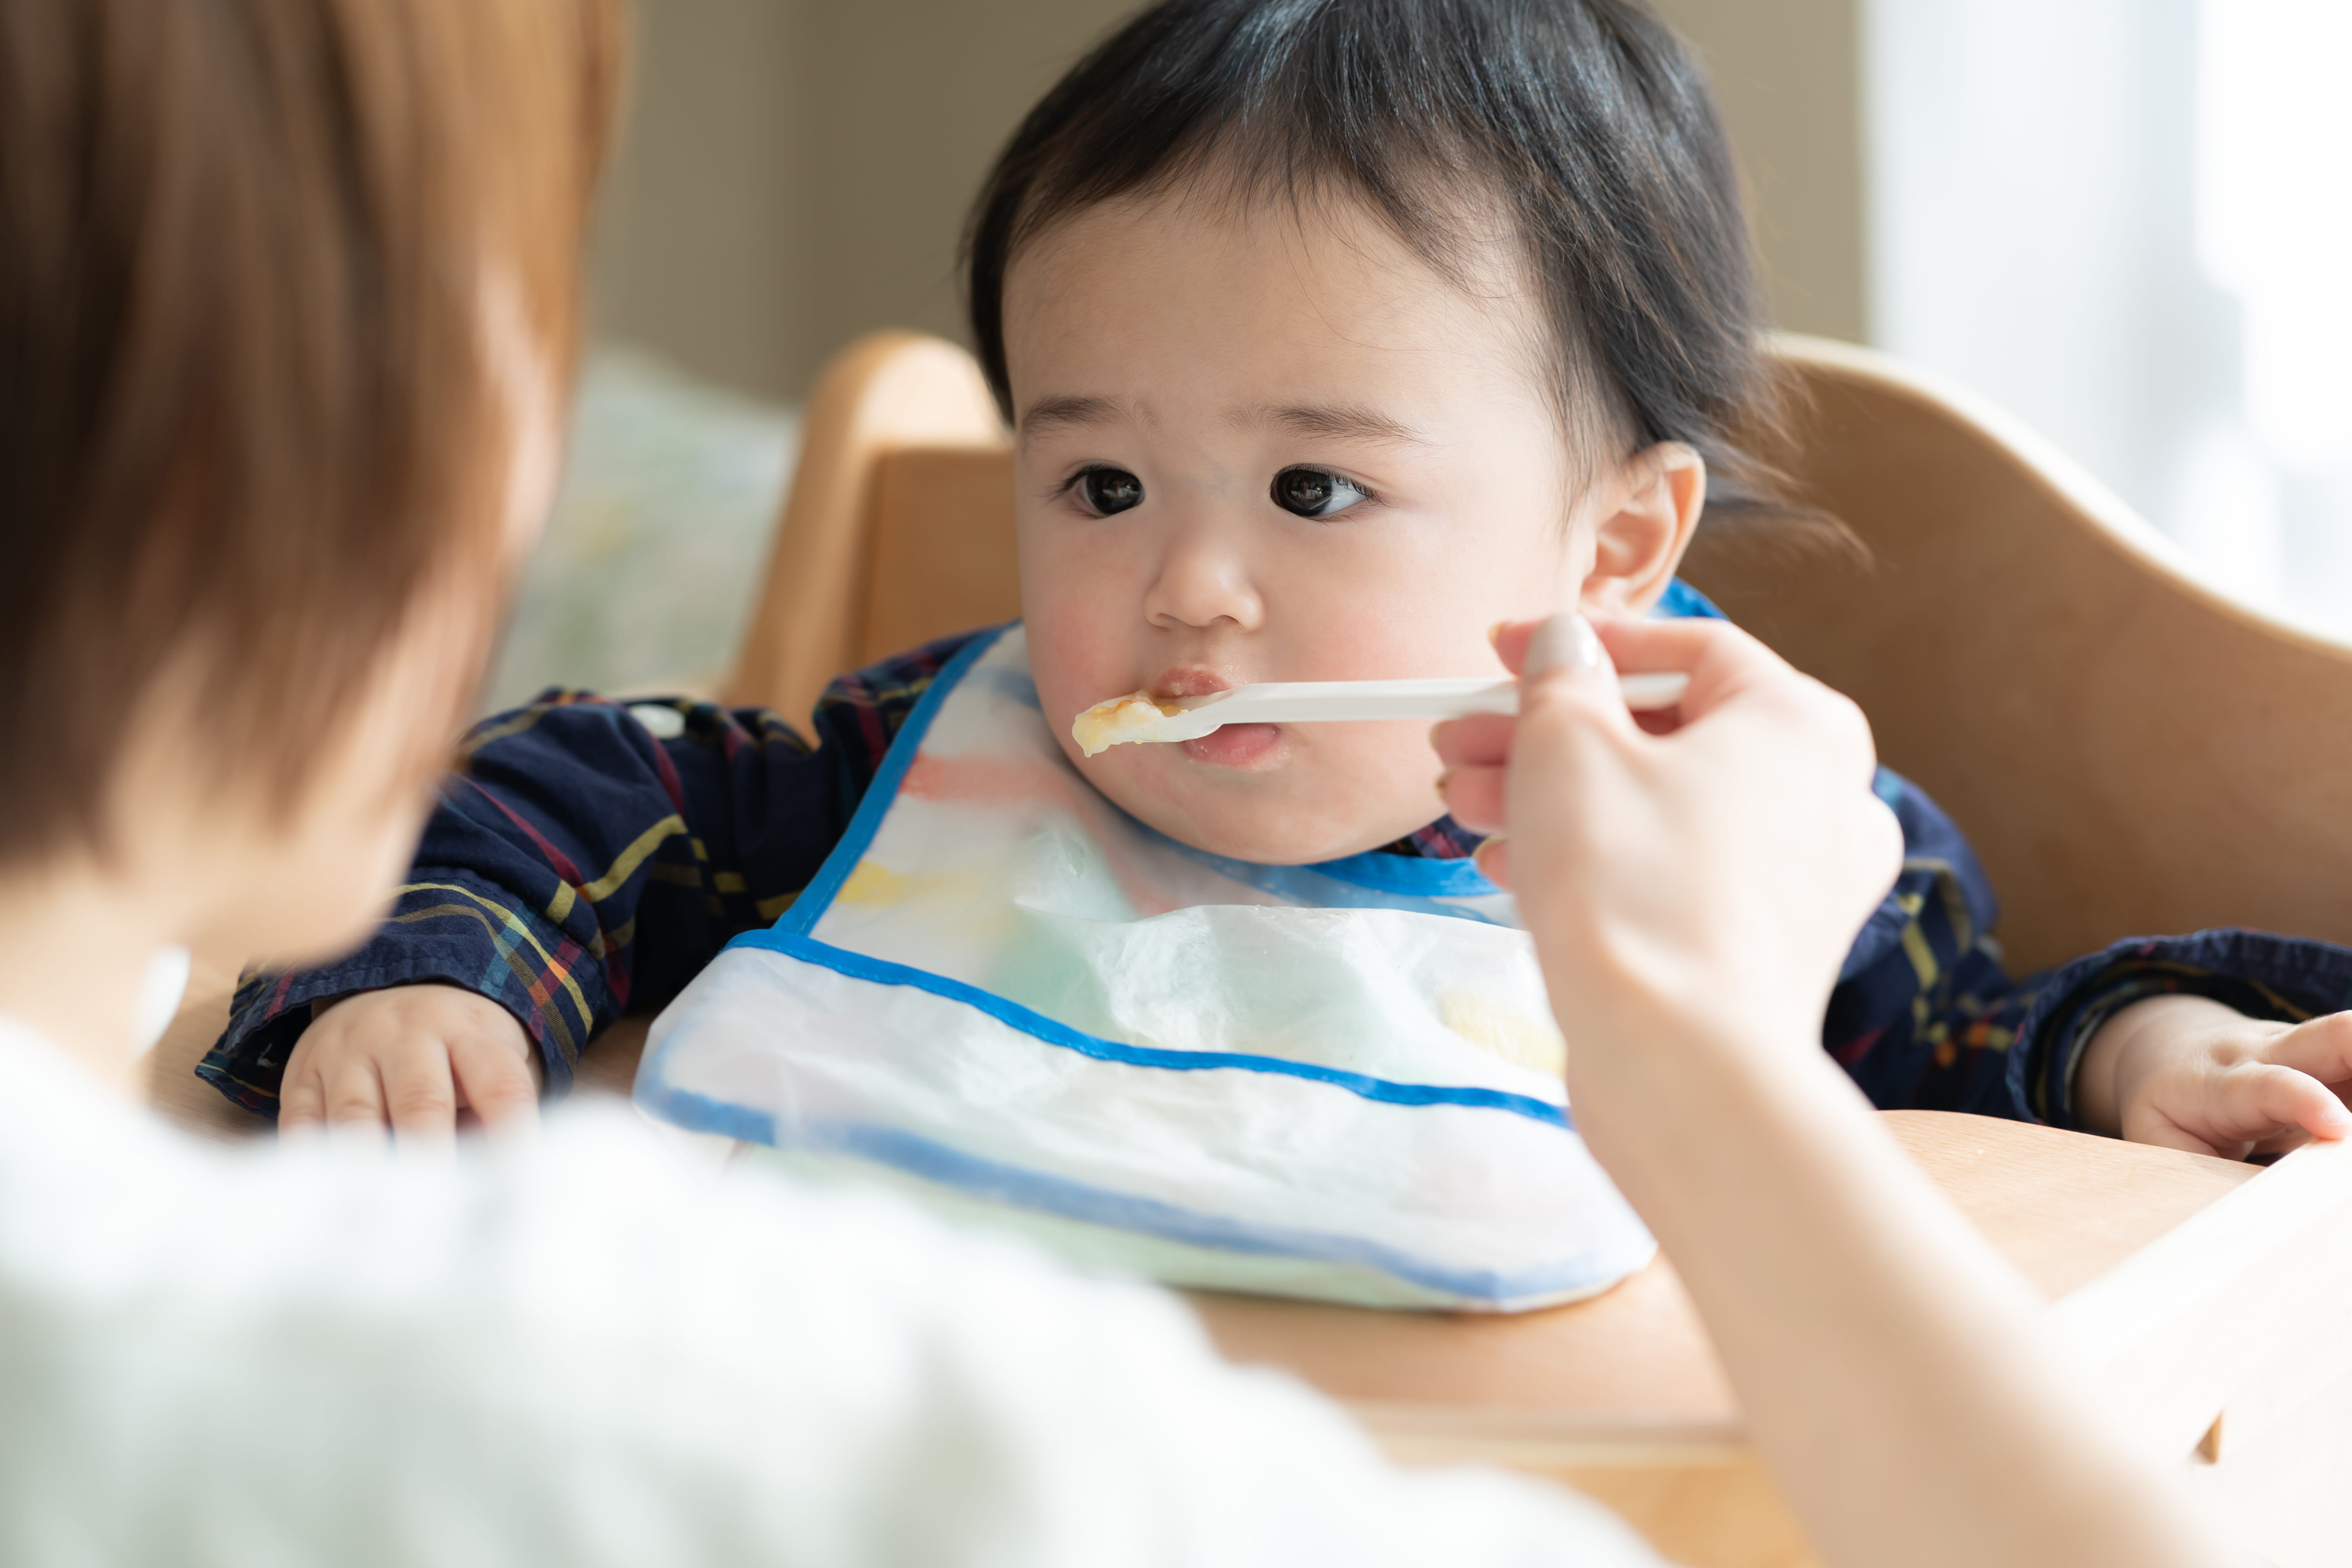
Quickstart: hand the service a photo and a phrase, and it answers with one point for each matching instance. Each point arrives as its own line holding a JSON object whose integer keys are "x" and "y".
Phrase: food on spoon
{"x": 1118, "y": 720}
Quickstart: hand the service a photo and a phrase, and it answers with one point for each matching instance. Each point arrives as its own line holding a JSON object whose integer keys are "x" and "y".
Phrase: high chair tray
{"x": 2214, "y": 1299}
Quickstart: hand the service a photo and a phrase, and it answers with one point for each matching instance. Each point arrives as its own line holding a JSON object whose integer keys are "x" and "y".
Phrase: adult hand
{"x": 1692, "y": 887}
{"x": 1723, "y": 865}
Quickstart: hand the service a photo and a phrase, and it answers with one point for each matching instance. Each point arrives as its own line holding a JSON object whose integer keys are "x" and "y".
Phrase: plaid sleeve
{"x": 581, "y": 866}
{"x": 1924, "y": 1016}
{"x": 2264, "y": 976}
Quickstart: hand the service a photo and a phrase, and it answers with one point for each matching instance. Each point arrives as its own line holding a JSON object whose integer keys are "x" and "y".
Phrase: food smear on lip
{"x": 1118, "y": 720}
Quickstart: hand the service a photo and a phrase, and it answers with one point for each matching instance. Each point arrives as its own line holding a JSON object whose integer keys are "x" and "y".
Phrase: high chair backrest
{"x": 2129, "y": 752}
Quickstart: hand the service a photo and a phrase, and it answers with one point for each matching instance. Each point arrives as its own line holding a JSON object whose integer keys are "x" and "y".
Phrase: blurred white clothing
{"x": 580, "y": 1352}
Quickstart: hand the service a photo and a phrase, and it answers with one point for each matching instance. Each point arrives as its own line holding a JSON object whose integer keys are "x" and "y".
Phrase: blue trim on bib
{"x": 867, "y": 821}
{"x": 1683, "y": 602}
{"x": 1054, "y": 1032}
{"x": 1386, "y": 873}
{"x": 944, "y": 1166}
{"x": 947, "y": 1167}
{"x": 1372, "y": 880}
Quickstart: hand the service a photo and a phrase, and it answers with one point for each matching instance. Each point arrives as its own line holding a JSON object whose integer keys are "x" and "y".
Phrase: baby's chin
{"x": 1255, "y": 828}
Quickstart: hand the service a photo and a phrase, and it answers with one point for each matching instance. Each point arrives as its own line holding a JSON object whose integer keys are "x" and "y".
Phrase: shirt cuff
{"x": 2287, "y": 979}
{"x": 446, "y": 928}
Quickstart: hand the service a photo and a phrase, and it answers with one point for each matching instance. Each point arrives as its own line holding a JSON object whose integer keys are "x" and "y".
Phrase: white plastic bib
{"x": 1003, "y": 994}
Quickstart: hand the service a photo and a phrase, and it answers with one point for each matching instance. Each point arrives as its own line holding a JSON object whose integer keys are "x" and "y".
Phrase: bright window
{"x": 2130, "y": 222}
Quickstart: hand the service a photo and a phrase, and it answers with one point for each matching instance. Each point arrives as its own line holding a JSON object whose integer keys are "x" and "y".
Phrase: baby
{"x": 1332, "y": 335}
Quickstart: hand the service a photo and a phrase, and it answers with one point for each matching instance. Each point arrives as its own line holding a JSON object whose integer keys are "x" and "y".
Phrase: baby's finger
{"x": 355, "y": 1095}
{"x": 1474, "y": 797}
{"x": 2282, "y": 1143}
{"x": 419, "y": 1096}
{"x": 2320, "y": 1047}
{"x": 301, "y": 1098}
{"x": 498, "y": 1084}
{"x": 2253, "y": 1102}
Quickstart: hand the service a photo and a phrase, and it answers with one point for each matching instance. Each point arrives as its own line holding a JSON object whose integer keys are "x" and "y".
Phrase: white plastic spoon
{"x": 1141, "y": 718}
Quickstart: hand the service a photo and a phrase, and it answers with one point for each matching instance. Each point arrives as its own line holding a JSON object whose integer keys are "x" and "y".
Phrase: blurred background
{"x": 2124, "y": 220}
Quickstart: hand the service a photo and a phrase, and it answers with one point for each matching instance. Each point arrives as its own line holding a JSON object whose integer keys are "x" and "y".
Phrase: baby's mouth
{"x": 1236, "y": 746}
{"x": 1188, "y": 681}
{"x": 1232, "y": 746}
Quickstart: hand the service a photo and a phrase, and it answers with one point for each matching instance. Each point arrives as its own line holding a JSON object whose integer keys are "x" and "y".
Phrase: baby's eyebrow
{"x": 1342, "y": 421}
{"x": 1074, "y": 413}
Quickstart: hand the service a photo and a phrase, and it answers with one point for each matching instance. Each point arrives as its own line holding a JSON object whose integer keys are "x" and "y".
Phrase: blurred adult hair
{"x": 248, "y": 408}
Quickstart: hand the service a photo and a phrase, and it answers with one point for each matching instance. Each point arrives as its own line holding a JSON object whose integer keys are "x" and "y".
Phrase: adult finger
{"x": 419, "y": 1098}
{"x": 1565, "y": 644}
{"x": 1474, "y": 797}
{"x": 498, "y": 1082}
{"x": 1716, "y": 652}
{"x": 1493, "y": 860}
{"x": 354, "y": 1094}
{"x": 1570, "y": 749}
{"x": 1511, "y": 643}
{"x": 1481, "y": 739}
{"x": 1566, "y": 677}
{"x": 1720, "y": 659}
{"x": 1562, "y": 669}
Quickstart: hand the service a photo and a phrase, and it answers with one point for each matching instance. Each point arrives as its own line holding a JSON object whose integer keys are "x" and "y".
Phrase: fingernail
{"x": 1441, "y": 783}
{"x": 1563, "y": 641}
{"x": 1495, "y": 631}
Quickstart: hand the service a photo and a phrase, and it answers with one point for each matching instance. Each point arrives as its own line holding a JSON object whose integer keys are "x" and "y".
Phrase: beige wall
{"x": 795, "y": 171}
{"x": 705, "y": 250}
{"x": 1788, "y": 76}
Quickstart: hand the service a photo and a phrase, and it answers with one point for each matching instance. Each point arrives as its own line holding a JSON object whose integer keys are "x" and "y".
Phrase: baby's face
{"x": 1277, "y": 446}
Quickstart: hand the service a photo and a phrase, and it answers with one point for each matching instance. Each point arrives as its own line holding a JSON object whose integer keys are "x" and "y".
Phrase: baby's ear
{"x": 1657, "y": 495}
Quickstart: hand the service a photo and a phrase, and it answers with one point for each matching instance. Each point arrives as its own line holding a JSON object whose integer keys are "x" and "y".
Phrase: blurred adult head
{"x": 287, "y": 300}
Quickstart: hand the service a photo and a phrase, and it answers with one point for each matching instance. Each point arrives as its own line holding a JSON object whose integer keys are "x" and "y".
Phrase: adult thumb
{"x": 1566, "y": 646}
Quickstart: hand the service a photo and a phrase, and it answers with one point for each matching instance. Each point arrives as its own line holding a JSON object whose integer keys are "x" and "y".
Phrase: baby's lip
{"x": 1189, "y": 680}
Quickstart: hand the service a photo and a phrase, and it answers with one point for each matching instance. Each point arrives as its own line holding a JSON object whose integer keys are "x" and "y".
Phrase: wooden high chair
{"x": 2129, "y": 752}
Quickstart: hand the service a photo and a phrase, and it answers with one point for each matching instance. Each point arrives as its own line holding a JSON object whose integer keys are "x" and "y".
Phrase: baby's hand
{"x": 2191, "y": 1073}
{"x": 415, "y": 1057}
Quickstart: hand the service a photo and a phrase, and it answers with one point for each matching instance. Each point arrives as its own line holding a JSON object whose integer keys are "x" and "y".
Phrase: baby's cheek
{"x": 1378, "y": 780}
{"x": 1075, "y": 658}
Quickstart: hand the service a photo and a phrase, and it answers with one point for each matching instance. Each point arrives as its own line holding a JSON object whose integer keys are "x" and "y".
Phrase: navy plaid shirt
{"x": 579, "y": 868}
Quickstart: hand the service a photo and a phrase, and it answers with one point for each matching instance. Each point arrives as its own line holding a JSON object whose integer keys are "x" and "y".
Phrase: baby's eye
{"x": 1106, "y": 491}
{"x": 1314, "y": 492}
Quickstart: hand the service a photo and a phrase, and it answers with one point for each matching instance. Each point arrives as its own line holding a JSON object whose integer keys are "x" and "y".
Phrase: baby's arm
{"x": 1924, "y": 1015}
{"x": 2170, "y": 1039}
{"x": 2199, "y": 1042}
{"x": 2189, "y": 1072}
{"x": 579, "y": 868}
{"x": 415, "y": 1057}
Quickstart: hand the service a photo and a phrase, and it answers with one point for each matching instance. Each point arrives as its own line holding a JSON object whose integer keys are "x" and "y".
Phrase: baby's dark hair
{"x": 1585, "y": 125}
